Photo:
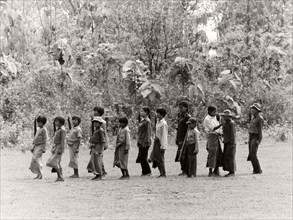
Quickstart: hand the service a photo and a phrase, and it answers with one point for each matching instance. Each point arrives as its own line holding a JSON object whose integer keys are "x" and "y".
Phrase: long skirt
{"x": 229, "y": 163}
{"x": 36, "y": 165}
{"x": 191, "y": 160}
{"x": 95, "y": 164}
{"x": 214, "y": 151}
{"x": 120, "y": 158}
{"x": 54, "y": 161}
{"x": 73, "y": 154}
{"x": 157, "y": 156}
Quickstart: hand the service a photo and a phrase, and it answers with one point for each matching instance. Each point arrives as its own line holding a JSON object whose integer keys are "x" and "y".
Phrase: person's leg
{"x": 144, "y": 163}
{"x": 126, "y": 173}
{"x": 254, "y": 160}
{"x": 183, "y": 162}
{"x": 123, "y": 174}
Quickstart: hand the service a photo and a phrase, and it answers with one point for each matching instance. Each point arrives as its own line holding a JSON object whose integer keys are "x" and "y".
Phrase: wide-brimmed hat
{"x": 257, "y": 106}
{"x": 227, "y": 112}
{"x": 191, "y": 120}
{"x": 99, "y": 119}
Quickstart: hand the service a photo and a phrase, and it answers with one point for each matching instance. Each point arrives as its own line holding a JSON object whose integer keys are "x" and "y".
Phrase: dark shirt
{"x": 182, "y": 127}
{"x": 98, "y": 137}
{"x": 144, "y": 133}
{"x": 229, "y": 132}
{"x": 255, "y": 126}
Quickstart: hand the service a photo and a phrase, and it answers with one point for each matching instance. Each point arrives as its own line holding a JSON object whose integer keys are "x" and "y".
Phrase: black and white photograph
{"x": 146, "y": 109}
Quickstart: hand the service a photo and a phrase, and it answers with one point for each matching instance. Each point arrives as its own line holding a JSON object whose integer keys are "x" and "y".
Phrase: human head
{"x": 145, "y": 112}
{"x": 183, "y": 107}
{"x": 212, "y": 111}
{"x": 41, "y": 121}
{"x": 227, "y": 115}
{"x": 255, "y": 108}
{"x": 123, "y": 122}
{"x": 97, "y": 121}
{"x": 59, "y": 121}
{"x": 161, "y": 113}
{"x": 99, "y": 111}
{"x": 76, "y": 120}
{"x": 192, "y": 122}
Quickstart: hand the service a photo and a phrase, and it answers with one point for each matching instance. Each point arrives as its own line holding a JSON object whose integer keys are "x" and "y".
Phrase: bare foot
{"x": 74, "y": 176}
{"x": 59, "y": 179}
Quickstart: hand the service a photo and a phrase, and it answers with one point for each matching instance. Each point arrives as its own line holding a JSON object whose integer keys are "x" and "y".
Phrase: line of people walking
{"x": 187, "y": 140}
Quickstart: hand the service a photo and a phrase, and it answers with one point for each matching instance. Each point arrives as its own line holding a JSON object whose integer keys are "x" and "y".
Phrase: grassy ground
{"x": 245, "y": 196}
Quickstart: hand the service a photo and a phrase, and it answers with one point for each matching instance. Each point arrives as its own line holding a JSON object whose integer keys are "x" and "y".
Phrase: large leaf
{"x": 146, "y": 92}
{"x": 225, "y": 76}
{"x": 158, "y": 88}
{"x": 134, "y": 67}
{"x": 233, "y": 103}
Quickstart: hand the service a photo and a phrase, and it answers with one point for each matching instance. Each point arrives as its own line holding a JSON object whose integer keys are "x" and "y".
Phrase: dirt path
{"x": 246, "y": 196}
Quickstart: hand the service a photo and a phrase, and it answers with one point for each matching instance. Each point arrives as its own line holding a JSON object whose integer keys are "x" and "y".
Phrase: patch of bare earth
{"x": 245, "y": 196}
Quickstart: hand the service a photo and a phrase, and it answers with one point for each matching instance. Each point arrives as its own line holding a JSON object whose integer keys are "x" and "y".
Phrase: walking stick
{"x": 69, "y": 123}
{"x": 35, "y": 127}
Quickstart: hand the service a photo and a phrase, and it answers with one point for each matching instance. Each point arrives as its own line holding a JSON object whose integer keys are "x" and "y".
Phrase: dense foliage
{"x": 65, "y": 57}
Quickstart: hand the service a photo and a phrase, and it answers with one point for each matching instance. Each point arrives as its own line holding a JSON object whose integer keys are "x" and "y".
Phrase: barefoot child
{"x": 99, "y": 111}
{"x": 97, "y": 145}
{"x": 58, "y": 148}
{"x": 229, "y": 134}
{"x": 144, "y": 140}
{"x": 39, "y": 147}
{"x": 122, "y": 148}
{"x": 191, "y": 147}
{"x": 73, "y": 142}
{"x": 161, "y": 142}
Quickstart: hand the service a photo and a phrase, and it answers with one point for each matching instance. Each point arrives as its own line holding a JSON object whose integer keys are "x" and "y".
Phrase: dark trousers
{"x": 142, "y": 159}
{"x": 161, "y": 165}
{"x": 252, "y": 156}
{"x": 182, "y": 160}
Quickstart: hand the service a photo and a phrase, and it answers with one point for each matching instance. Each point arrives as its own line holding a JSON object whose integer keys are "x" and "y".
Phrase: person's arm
{"x": 164, "y": 141}
{"x": 233, "y": 132}
{"x": 62, "y": 143}
{"x": 127, "y": 141}
{"x": 148, "y": 138}
{"x": 259, "y": 127}
{"x": 45, "y": 139}
{"x": 196, "y": 149}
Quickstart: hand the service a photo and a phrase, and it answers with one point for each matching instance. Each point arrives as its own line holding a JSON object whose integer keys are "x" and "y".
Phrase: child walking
{"x": 39, "y": 147}
{"x": 229, "y": 134}
{"x": 97, "y": 145}
{"x": 73, "y": 142}
{"x": 122, "y": 148}
{"x": 144, "y": 140}
{"x": 161, "y": 142}
{"x": 99, "y": 111}
{"x": 58, "y": 148}
{"x": 191, "y": 147}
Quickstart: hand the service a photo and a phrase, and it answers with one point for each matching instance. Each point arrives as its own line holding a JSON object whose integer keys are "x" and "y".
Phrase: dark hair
{"x": 76, "y": 118}
{"x": 147, "y": 110}
{"x": 42, "y": 119}
{"x": 60, "y": 119}
{"x": 184, "y": 104}
{"x": 161, "y": 111}
{"x": 211, "y": 109}
{"x": 100, "y": 110}
{"x": 123, "y": 120}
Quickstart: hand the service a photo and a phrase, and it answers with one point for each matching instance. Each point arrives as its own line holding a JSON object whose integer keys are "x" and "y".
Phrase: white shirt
{"x": 210, "y": 123}
{"x": 162, "y": 133}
